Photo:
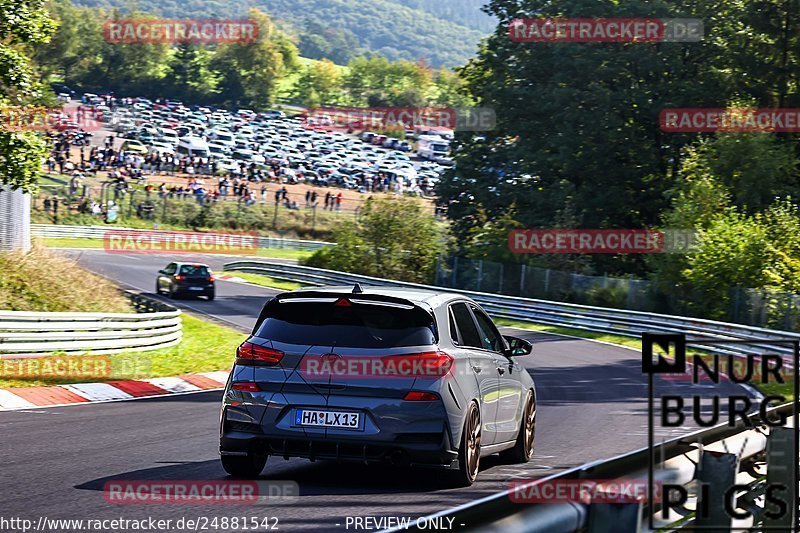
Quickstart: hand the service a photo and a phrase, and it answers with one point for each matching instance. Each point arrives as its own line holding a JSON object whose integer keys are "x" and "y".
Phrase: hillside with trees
{"x": 442, "y": 32}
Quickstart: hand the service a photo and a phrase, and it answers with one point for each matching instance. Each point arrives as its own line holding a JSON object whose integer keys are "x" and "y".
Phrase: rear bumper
{"x": 403, "y": 451}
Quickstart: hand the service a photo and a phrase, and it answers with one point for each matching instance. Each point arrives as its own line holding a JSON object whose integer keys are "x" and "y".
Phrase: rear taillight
{"x": 210, "y": 278}
{"x": 416, "y": 396}
{"x": 253, "y": 354}
{"x": 179, "y": 278}
{"x": 245, "y": 386}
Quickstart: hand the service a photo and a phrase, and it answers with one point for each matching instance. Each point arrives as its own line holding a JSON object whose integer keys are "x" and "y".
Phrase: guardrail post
{"x": 716, "y": 473}
{"x": 613, "y": 517}
{"x": 781, "y": 471}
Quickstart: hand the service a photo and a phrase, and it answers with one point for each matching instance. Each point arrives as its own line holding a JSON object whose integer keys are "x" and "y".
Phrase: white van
{"x": 192, "y": 146}
{"x": 432, "y": 146}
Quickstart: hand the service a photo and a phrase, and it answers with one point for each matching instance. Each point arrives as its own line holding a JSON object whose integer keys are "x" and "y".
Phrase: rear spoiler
{"x": 357, "y": 298}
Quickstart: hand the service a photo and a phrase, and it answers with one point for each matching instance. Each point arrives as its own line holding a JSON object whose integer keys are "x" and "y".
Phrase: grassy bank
{"x": 46, "y": 282}
{"x": 271, "y": 253}
{"x": 205, "y": 347}
{"x": 266, "y": 281}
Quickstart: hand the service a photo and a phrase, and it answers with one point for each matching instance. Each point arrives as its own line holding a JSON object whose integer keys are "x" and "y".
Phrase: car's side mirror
{"x": 162, "y": 271}
{"x": 518, "y": 347}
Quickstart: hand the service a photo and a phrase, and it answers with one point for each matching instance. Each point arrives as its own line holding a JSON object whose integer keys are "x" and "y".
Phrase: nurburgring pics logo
{"x": 605, "y": 30}
{"x": 740, "y": 120}
{"x": 599, "y": 241}
{"x": 703, "y": 404}
{"x": 200, "y": 31}
{"x": 400, "y": 118}
{"x": 143, "y": 242}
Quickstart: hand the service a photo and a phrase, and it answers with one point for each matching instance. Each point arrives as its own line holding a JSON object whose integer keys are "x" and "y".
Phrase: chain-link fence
{"x": 771, "y": 309}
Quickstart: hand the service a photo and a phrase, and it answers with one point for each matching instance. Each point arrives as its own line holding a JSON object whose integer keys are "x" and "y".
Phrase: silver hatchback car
{"x": 376, "y": 374}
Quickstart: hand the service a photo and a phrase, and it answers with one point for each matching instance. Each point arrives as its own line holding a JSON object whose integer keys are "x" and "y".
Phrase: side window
{"x": 490, "y": 337}
{"x": 171, "y": 268}
{"x": 466, "y": 326}
{"x": 453, "y": 328}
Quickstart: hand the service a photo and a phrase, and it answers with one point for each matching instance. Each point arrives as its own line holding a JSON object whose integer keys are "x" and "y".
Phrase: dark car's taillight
{"x": 253, "y": 354}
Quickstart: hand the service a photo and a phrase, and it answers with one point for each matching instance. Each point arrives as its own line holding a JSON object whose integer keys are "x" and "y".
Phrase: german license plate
{"x": 195, "y": 288}
{"x": 330, "y": 419}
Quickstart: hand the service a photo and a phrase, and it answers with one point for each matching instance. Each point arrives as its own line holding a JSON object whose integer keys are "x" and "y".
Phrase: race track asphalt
{"x": 592, "y": 405}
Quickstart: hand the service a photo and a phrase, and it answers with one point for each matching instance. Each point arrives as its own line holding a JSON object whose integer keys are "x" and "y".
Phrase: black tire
{"x": 210, "y": 296}
{"x": 248, "y": 467}
{"x": 469, "y": 451}
{"x": 158, "y": 289}
{"x": 522, "y": 452}
{"x": 172, "y": 293}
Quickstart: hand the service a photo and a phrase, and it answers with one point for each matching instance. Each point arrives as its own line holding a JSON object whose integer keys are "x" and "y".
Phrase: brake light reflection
{"x": 245, "y": 386}
{"x": 416, "y": 396}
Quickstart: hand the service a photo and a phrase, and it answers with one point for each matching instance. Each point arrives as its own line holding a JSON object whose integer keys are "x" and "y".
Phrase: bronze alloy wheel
{"x": 473, "y": 442}
{"x": 530, "y": 425}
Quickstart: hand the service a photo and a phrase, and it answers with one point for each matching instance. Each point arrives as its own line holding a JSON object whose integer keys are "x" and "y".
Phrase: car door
{"x": 510, "y": 389}
{"x": 165, "y": 278}
{"x": 483, "y": 367}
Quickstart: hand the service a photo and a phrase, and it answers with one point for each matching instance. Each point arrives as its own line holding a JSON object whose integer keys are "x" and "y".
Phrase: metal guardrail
{"x": 748, "y": 456}
{"x": 596, "y": 319}
{"x": 52, "y": 231}
{"x": 25, "y": 334}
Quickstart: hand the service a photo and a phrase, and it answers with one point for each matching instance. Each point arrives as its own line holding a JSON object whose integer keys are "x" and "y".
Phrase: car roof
{"x": 432, "y": 298}
{"x": 190, "y": 263}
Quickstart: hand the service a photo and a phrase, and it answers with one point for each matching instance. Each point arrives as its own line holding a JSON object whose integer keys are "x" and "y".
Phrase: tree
{"x": 250, "y": 72}
{"x": 393, "y": 239}
{"x": 21, "y": 153}
{"x": 191, "y": 76}
{"x": 319, "y": 83}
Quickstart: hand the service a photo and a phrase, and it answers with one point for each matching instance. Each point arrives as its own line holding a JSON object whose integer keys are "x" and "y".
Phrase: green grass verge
{"x": 630, "y": 342}
{"x": 266, "y": 281}
{"x": 786, "y": 390}
{"x": 274, "y": 253}
{"x": 205, "y": 347}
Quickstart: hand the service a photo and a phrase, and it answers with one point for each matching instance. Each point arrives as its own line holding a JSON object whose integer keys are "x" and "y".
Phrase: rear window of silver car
{"x": 357, "y": 325}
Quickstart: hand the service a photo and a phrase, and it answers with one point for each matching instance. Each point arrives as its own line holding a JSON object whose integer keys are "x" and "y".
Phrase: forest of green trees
{"x": 443, "y": 32}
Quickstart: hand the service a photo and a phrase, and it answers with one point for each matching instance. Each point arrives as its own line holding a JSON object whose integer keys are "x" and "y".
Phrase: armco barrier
{"x": 26, "y": 334}
{"x": 51, "y": 231}
{"x": 597, "y": 319}
{"x": 748, "y": 455}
